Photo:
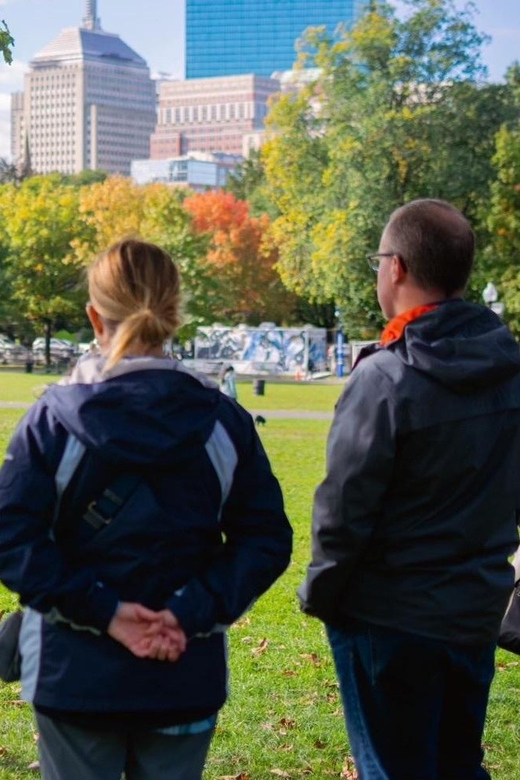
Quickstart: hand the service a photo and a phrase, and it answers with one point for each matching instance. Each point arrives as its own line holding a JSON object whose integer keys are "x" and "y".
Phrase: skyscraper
{"x": 227, "y": 37}
{"x": 88, "y": 102}
{"x": 210, "y": 115}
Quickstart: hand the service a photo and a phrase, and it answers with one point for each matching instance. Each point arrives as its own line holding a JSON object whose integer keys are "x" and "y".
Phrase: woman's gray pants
{"x": 69, "y": 752}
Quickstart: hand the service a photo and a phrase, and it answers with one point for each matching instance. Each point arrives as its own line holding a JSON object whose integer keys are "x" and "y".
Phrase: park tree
{"x": 247, "y": 285}
{"x": 167, "y": 223}
{"x": 398, "y": 110}
{"x": 118, "y": 208}
{"x": 112, "y": 209}
{"x": 502, "y": 219}
{"x": 6, "y": 42}
{"x": 248, "y": 182}
{"x": 42, "y": 228}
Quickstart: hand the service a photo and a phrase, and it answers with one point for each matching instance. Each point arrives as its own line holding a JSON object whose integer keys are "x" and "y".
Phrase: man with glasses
{"x": 416, "y": 517}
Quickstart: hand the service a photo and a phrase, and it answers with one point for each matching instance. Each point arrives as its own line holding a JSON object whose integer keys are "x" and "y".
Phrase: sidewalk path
{"x": 278, "y": 414}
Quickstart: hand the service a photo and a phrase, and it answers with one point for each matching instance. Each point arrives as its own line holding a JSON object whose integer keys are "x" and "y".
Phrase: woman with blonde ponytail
{"x": 139, "y": 518}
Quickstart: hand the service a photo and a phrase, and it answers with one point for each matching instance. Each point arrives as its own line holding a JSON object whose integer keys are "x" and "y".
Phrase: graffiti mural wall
{"x": 264, "y": 349}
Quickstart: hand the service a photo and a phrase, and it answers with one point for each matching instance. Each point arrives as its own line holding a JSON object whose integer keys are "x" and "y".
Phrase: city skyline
{"x": 156, "y": 32}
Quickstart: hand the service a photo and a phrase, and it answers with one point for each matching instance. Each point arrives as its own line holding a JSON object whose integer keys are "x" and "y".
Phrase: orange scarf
{"x": 395, "y": 328}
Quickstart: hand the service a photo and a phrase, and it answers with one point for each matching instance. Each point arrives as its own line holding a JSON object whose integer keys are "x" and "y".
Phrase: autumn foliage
{"x": 249, "y": 288}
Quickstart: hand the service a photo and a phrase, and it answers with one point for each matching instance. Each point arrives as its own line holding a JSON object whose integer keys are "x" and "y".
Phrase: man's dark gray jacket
{"x": 416, "y": 518}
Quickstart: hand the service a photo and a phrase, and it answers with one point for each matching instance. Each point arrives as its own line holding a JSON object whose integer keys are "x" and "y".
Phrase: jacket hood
{"x": 461, "y": 345}
{"x": 143, "y": 411}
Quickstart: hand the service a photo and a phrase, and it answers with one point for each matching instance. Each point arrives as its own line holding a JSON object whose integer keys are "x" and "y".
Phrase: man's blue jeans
{"x": 415, "y": 707}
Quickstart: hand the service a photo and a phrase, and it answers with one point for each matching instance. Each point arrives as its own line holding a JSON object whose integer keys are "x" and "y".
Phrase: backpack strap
{"x": 101, "y": 511}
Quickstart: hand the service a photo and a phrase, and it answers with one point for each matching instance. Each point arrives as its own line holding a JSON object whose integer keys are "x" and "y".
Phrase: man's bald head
{"x": 435, "y": 242}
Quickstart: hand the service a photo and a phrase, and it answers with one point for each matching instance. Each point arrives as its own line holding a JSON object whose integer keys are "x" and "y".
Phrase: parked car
{"x": 11, "y": 352}
{"x": 61, "y": 349}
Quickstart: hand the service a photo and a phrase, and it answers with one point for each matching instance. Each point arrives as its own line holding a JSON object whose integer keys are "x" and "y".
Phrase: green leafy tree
{"x": 117, "y": 208}
{"x": 42, "y": 226}
{"x": 167, "y": 223}
{"x": 502, "y": 219}
{"x": 6, "y": 43}
{"x": 397, "y": 111}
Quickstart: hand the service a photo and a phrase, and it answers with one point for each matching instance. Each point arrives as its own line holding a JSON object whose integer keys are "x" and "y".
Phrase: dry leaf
{"x": 245, "y": 621}
{"x": 289, "y": 673}
{"x": 262, "y": 647}
{"x": 287, "y": 723}
{"x": 312, "y": 657}
{"x": 349, "y": 771}
{"x": 280, "y": 773}
{"x": 319, "y": 744}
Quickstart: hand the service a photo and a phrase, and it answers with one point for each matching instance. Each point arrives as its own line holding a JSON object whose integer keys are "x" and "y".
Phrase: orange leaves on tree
{"x": 249, "y": 288}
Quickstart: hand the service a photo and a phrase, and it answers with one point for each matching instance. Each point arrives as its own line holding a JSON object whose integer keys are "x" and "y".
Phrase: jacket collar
{"x": 394, "y": 330}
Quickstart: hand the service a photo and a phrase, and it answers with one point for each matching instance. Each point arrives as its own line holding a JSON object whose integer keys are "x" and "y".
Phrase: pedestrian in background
{"x": 228, "y": 384}
{"x": 416, "y": 517}
{"x": 170, "y": 525}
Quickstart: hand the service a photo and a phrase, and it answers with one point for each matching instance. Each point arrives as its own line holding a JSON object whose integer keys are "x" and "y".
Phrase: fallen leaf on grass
{"x": 262, "y": 647}
{"x": 319, "y": 744}
{"x": 505, "y": 667}
{"x": 286, "y": 747}
{"x": 349, "y": 771}
{"x": 313, "y": 658}
{"x": 245, "y": 621}
{"x": 289, "y": 673}
{"x": 3, "y": 751}
{"x": 280, "y": 773}
{"x": 287, "y": 723}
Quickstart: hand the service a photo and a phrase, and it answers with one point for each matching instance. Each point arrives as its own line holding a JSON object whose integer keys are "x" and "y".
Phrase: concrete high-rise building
{"x": 88, "y": 102}
{"x": 226, "y": 37}
{"x": 210, "y": 115}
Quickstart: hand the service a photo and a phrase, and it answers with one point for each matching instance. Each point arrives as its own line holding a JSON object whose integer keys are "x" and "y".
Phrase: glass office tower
{"x": 228, "y": 37}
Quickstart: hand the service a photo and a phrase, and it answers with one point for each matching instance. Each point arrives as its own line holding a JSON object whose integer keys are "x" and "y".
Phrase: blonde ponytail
{"x": 135, "y": 287}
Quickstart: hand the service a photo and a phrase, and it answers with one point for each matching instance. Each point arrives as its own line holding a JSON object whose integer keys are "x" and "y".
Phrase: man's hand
{"x": 147, "y": 634}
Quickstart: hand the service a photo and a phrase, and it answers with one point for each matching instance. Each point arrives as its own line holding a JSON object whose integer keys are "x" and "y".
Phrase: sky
{"x": 155, "y": 29}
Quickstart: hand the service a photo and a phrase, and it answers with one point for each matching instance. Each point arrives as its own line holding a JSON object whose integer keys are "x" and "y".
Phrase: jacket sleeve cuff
{"x": 194, "y": 608}
{"x": 95, "y": 612}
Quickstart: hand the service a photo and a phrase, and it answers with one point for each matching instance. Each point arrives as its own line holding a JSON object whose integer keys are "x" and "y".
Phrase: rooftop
{"x": 79, "y": 43}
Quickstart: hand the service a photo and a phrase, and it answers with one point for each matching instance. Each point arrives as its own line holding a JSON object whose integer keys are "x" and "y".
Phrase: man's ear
{"x": 398, "y": 272}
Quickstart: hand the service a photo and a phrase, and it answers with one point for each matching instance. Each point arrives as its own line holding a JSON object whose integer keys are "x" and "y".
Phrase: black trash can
{"x": 29, "y": 365}
{"x": 259, "y": 386}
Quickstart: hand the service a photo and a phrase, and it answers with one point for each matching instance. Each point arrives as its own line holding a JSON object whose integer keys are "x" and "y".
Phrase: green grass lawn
{"x": 284, "y": 716}
{"x": 17, "y": 386}
{"x": 24, "y": 388}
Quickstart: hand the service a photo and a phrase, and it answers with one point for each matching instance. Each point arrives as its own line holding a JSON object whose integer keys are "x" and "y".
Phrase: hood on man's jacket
{"x": 144, "y": 411}
{"x": 461, "y": 345}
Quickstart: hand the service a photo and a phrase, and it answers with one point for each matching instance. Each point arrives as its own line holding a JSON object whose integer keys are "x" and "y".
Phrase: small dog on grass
{"x": 259, "y": 420}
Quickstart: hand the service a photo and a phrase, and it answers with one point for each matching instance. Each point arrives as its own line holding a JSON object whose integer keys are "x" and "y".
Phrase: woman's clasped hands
{"x": 148, "y": 634}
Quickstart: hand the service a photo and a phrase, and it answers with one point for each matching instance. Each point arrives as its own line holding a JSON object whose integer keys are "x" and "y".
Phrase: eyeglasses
{"x": 374, "y": 260}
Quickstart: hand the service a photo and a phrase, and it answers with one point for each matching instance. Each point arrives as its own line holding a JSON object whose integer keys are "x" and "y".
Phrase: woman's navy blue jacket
{"x": 204, "y": 533}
